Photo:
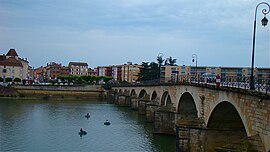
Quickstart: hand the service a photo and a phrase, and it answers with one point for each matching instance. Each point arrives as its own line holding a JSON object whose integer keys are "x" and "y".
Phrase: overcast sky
{"x": 109, "y": 32}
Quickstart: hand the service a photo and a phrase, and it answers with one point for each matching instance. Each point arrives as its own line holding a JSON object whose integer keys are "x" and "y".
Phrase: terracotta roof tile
{"x": 11, "y": 62}
{"x": 39, "y": 70}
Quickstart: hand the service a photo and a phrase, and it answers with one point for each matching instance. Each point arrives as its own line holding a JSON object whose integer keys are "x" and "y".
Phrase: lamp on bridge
{"x": 194, "y": 56}
{"x": 264, "y": 23}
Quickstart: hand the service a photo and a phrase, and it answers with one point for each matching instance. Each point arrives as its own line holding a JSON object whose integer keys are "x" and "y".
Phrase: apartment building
{"x": 180, "y": 73}
{"x": 78, "y": 68}
{"x": 130, "y": 72}
{"x": 125, "y": 72}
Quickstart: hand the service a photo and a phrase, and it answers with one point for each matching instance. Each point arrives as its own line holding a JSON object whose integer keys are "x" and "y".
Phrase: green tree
{"x": 86, "y": 78}
{"x": 1, "y": 79}
{"x": 8, "y": 79}
{"x": 105, "y": 78}
{"x": 143, "y": 74}
{"x": 94, "y": 79}
{"x": 149, "y": 71}
{"x": 170, "y": 61}
{"x": 160, "y": 60}
{"x": 17, "y": 80}
{"x": 154, "y": 71}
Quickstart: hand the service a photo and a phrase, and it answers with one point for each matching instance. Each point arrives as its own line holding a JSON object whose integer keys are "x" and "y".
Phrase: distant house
{"x": 39, "y": 74}
{"x": 52, "y": 70}
{"x": 78, "y": 68}
{"x": 92, "y": 72}
{"x": 12, "y": 66}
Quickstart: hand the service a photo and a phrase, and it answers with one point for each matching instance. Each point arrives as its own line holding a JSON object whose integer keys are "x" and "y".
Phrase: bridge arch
{"x": 133, "y": 92}
{"x": 225, "y": 125}
{"x": 187, "y": 106}
{"x": 165, "y": 99}
{"x": 154, "y": 95}
{"x": 225, "y": 116}
{"x": 142, "y": 93}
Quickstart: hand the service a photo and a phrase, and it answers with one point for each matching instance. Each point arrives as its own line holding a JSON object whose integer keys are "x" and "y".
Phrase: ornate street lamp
{"x": 194, "y": 56}
{"x": 264, "y": 23}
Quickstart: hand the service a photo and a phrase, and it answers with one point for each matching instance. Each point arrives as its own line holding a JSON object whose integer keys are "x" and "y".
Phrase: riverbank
{"x": 53, "y": 92}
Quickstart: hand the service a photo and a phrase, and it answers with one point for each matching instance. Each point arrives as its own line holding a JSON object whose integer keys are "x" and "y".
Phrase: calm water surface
{"x": 54, "y": 125}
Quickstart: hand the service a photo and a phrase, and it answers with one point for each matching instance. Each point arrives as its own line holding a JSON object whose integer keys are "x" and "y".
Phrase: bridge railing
{"x": 243, "y": 82}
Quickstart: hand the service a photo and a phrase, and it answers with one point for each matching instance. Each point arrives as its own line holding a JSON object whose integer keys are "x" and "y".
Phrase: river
{"x": 50, "y": 125}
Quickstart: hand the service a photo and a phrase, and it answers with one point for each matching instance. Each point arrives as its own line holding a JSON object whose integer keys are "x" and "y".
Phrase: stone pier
{"x": 142, "y": 104}
{"x": 164, "y": 120}
{"x": 151, "y": 107}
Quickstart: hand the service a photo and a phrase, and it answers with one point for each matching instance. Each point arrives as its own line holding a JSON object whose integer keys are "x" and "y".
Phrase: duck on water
{"x": 107, "y": 123}
{"x": 82, "y": 132}
{"x": 87, "y": 115}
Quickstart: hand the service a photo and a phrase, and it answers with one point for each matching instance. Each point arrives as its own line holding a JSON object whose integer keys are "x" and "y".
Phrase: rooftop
{"x": 11, "y": 62}
{"x": 77, "y": 64}
{"x": 12, "y": 52}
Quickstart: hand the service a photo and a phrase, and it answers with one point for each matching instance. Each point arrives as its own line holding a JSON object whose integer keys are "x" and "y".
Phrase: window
{"x": 4, "y": 70}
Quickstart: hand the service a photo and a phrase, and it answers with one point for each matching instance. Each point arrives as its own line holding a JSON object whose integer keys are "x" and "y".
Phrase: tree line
{"x": 151, "y": 70}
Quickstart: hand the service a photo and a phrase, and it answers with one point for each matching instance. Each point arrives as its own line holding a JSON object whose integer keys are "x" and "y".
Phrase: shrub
{"x": 17, "y": 80}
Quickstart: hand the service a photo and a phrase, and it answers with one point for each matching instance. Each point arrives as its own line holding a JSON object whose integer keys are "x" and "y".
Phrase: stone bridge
{"x": 203, "y": 118}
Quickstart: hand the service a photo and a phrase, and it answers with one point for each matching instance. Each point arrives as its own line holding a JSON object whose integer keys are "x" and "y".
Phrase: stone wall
{"x": 77, "y": 92}
{"x": 97, "y": 88}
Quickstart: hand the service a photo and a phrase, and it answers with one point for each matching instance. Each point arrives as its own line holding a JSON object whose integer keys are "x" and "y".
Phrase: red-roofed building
{"x": 39, "y": 74}
{"x": 11, "y": 66}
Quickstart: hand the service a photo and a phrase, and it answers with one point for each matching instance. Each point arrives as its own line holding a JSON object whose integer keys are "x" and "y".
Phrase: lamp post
{"x": 194, "y": 56}
{"x": 264, "y": 23}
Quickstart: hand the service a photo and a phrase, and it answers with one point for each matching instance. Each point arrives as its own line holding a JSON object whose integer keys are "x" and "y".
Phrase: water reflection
{"x": 54, "y": 125}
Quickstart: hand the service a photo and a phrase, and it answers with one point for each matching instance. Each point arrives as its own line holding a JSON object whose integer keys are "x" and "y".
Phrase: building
{"x": 189, "y": 73}
{"x": 130, "y": 72}
{"x": 125, "y": 72}
{"x": 12, "y": 66}
{"x": 78, "y": 68}
{"x": 117, "y": 72}
{"x": 92, "y": 72}
{"x": 39, "y": 74}
{"x": 65, "y": 71}
{"x": 52, "y": 70}
{"x": 31, "y": 72}
{"x": 105, "y": 70}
